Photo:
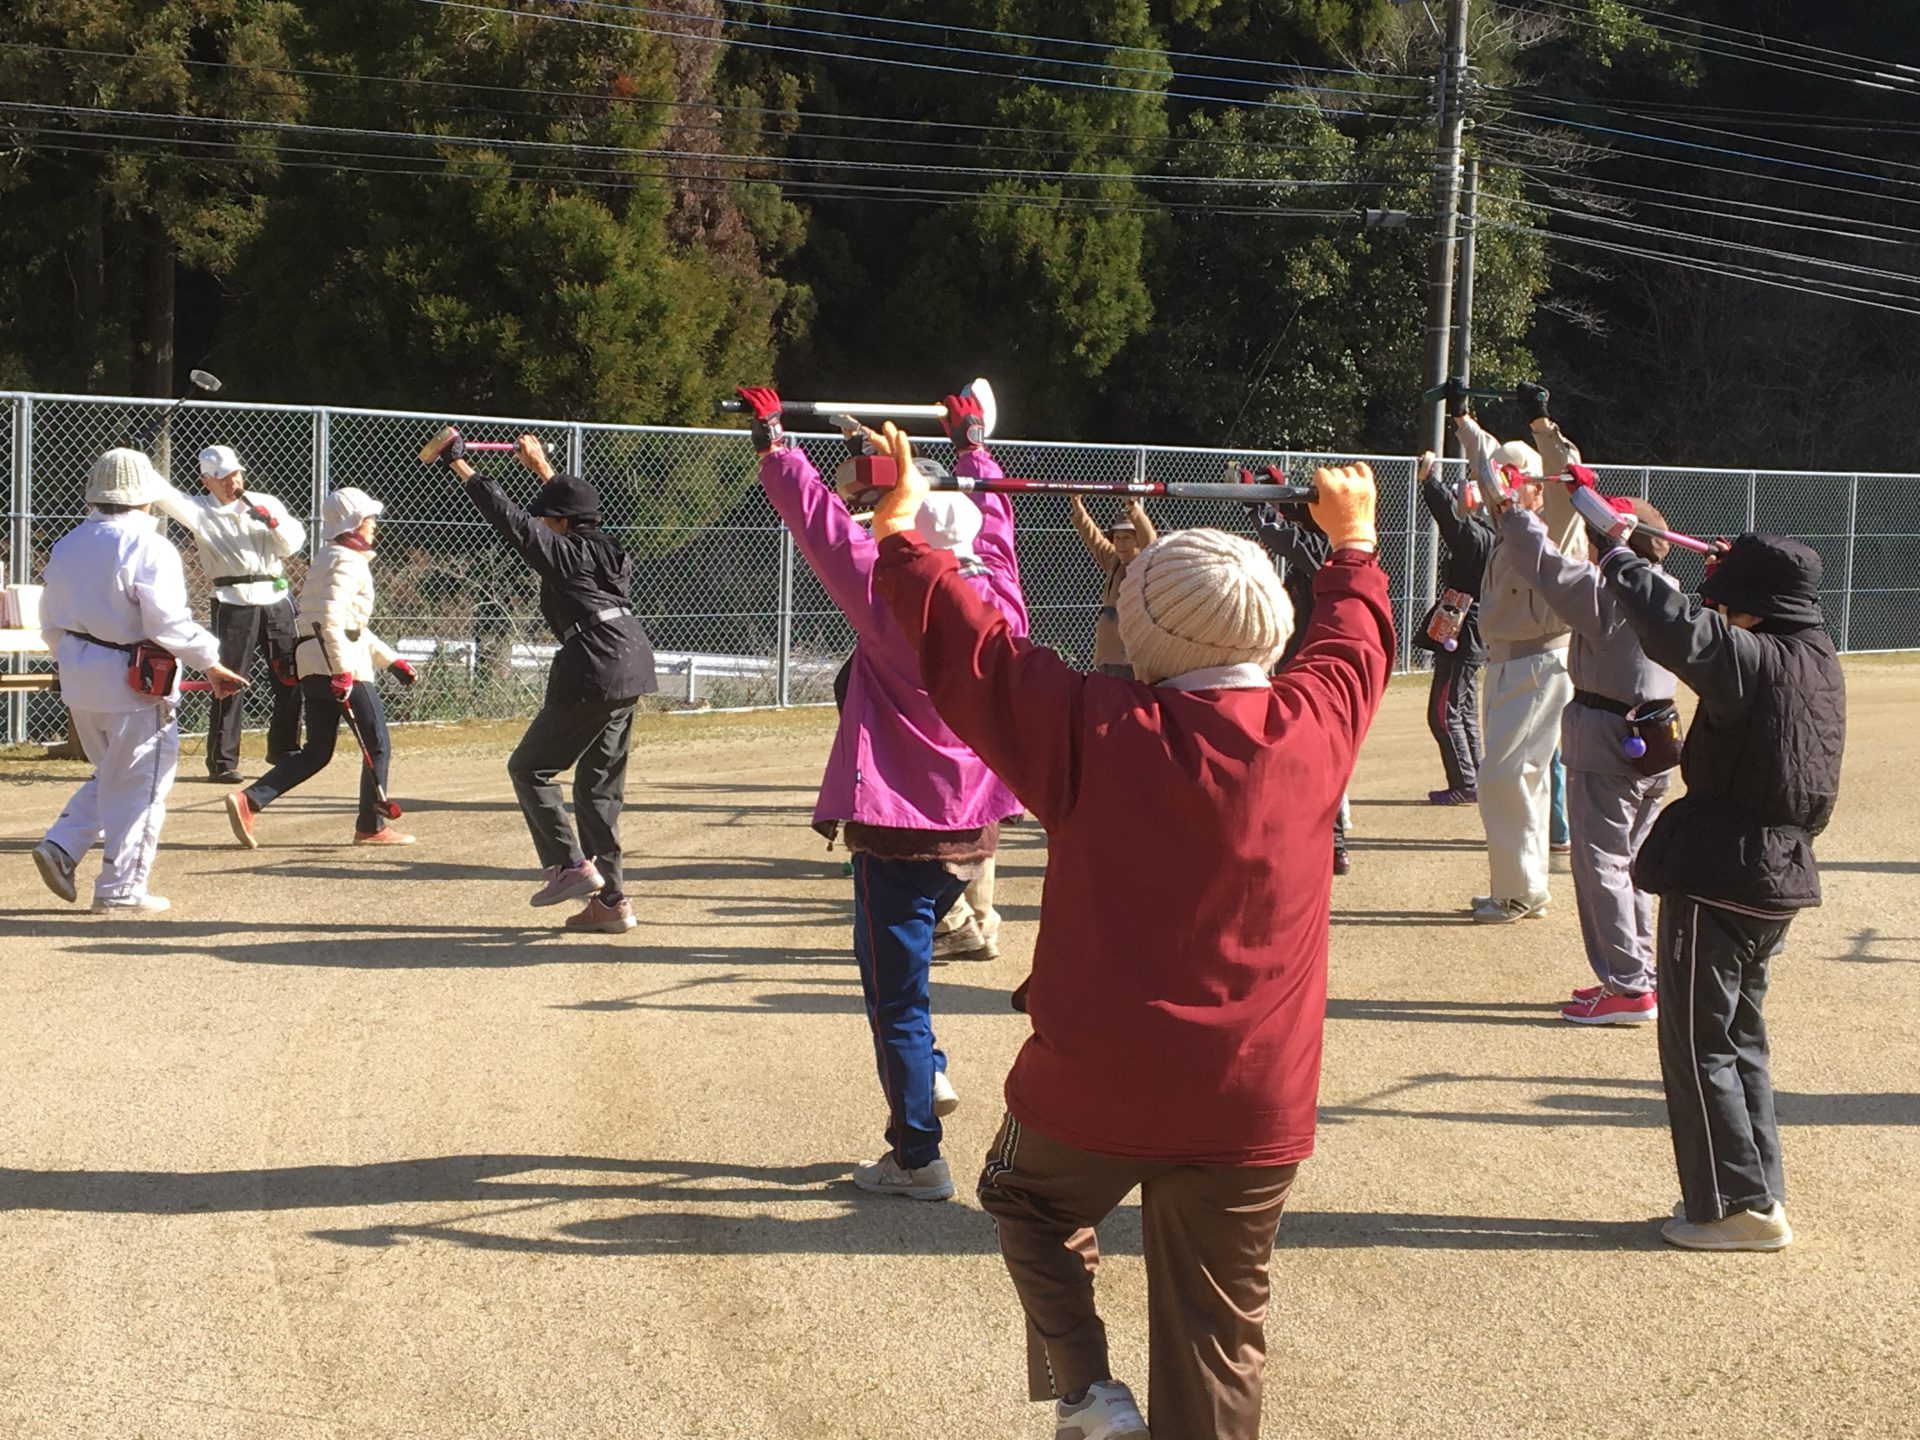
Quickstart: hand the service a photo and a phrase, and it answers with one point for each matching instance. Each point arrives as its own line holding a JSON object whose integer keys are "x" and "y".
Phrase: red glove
{"x": 284, "y": 671}
{"x": 964, "y": 422}
{"x": 342, "y": 685}
{"x": 404, "y": 670}
{"x": 1581, "y": 478}
{"x": 764, "y": 402}
{"x": 265, "y": 517}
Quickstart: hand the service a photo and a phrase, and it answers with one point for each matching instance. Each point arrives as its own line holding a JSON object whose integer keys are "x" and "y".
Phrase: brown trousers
{"x": 1209, "y": 1235}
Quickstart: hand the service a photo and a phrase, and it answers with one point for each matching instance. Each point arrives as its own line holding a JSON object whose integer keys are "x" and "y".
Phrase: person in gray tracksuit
{"x": 1610, "y": 805}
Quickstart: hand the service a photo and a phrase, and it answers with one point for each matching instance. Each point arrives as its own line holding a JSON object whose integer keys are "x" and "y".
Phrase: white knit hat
{"x": 219, "y": 461}
{"x": 1198, "y": 598}
{"x": 1522, "y": 456}
{"x": 949, "y": 521}
{"x": 345, "y": 509}
{"x": 122, "y": 477}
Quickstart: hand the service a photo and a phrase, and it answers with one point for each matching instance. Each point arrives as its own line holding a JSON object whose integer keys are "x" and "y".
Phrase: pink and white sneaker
{"x": 1611, "y": 1008}
{"x": 599, "y": 916}
{"x": 1589, "y": 992}
{"x": 569, "y": 882}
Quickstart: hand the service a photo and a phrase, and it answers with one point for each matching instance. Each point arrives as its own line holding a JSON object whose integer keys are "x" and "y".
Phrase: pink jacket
{"x": 894, "y": 761}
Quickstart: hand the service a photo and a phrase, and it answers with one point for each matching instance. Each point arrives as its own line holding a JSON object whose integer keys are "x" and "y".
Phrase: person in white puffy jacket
{"x": 113, "y": 584}
{"x": 337, "y": 656}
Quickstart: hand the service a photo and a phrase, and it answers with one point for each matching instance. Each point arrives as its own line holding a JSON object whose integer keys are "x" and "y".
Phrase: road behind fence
{"x": 736, "y": 615}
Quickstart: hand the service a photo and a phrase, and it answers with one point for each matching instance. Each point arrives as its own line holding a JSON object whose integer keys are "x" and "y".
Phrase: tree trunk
{"x": 90, "y": 295}
{"x": 160, "y": 276}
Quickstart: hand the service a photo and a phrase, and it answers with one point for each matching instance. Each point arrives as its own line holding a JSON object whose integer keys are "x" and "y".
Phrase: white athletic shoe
{"x": 137, "y": 905}
{"x": 1500, "y": 912}
{"x": 1743, "y": 1230}
{"x": 946, "y": 1099}
{"x": 932, "y": 1181}
{"x": 1106, "y": 1412}
{"x": 56, "y": 868}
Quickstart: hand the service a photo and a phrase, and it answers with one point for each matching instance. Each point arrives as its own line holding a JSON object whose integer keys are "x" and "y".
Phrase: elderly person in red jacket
{"x": 1176, "y": 1039}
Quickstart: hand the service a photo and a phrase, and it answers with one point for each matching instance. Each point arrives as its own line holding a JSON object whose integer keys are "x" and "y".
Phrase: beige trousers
{"x": 976, "y": 904}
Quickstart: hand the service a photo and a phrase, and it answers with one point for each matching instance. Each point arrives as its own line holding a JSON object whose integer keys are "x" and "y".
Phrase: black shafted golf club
{"x": 199, "y": 382}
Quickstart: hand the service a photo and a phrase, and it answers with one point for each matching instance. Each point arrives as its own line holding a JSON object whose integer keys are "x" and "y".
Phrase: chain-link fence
{"x": 736, "y": 616}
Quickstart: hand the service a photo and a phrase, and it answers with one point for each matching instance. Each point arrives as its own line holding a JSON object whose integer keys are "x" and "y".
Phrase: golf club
{"x": 386, "y": 807}
{"x": 430, "y": 452}
{"x": 1618, "y": 525}
{"x": 979, "y": 389}
{"x": 877, "y": 472}
{"x": 204, "y": 381}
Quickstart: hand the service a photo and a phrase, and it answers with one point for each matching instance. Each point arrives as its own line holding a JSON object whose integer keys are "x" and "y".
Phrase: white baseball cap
{"x": 345, "y": 509}
{"x": 219, "y": 461}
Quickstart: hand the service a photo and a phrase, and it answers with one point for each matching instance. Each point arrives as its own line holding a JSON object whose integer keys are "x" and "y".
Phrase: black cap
{"x": 567, "y": 497}
{"x": 1771, "y": 576}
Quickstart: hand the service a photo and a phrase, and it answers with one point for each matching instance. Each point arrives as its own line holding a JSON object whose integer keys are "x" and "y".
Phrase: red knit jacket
{"x": 1180, "y": 978}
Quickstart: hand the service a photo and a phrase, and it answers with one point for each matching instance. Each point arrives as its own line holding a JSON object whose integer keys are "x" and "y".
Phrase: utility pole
{"x": 1469, "y": 214}
{"x": 1450, "y": 87}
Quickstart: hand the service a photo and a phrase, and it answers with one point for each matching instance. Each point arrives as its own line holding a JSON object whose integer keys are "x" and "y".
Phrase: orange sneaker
{"x": 240, "y": 815}
{"x": 385, "y": 835}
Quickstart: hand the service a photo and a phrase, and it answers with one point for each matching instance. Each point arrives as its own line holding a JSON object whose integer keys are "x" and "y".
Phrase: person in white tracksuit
{"x": 111, "y": 584}
{"x": 244, "y": 539}
{"x": 337, "y": 656}
{"x": 1527, "y": 686}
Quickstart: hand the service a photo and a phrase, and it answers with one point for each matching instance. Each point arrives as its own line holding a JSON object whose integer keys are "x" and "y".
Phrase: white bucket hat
{"x": 949, "y": 521}
{"x": 345, "y": 509}
{"x": 123, "y": 477}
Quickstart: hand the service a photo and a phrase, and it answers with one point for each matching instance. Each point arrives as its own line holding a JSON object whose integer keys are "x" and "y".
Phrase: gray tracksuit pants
{"x": 1609, "y": 813}
{"x": 591, "y": 738}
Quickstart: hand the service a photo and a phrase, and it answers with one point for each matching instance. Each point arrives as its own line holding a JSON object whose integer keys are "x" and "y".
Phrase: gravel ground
{"x": 358, "y": 1145}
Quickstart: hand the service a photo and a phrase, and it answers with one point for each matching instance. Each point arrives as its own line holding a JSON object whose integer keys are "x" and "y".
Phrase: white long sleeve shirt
{"x": 234, "y": 541}
{"x": 117, "y": 578}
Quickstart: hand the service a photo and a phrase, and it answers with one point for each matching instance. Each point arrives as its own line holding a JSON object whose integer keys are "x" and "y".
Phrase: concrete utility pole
{"x": 1450, "y": 88}
{"x": 1469, "y": 215}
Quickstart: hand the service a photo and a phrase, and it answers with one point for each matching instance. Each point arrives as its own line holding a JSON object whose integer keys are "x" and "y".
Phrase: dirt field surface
{"x": 357, "y": 1145}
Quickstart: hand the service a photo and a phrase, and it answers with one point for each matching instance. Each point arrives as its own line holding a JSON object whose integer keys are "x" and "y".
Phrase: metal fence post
{"x": 322, "y": 466}
{"x": 1753, "y": 490}
{"x": 21, "y": 542}
{"x": 1846, "y": 596}
{"x": 1413, "y": 558}
{"x": 1140, "y": 465}
{"x": 1646, "y": 483}
{"x": 577, "y": 449}
{"x": 783, "y": 646}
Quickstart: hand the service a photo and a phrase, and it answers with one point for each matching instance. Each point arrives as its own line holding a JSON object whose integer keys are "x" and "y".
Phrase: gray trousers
{"x": 1714, "y": 1057}
{"x": 590, "y": 737}
{"x": 1608, "y": 816}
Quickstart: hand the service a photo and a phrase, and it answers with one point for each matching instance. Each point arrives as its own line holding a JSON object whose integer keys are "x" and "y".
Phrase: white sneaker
{"x": 885, "y": 1176}
{"x": 137, "y": 905}
{"x": 1500, "y": 912}
{"x": 1107, "y": 1412}
{"x": 946, "y": 1099}
{"x": 56, "y": 868}
{"x": 1743, "y": 1230}
{"x": 966, "y": 943}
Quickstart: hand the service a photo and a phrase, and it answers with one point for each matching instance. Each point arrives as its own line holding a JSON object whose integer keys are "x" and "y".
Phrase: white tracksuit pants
{"x": 134, "y": 755}
{"x": 1520, "y": 722}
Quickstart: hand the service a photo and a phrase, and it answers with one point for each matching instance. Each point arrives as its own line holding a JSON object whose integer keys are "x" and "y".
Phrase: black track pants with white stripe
{"x": 1713, "y": 1055}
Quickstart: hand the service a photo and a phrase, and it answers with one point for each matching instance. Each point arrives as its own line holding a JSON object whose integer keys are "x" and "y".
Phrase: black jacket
{"x": 1304, "y": 550}
{"x": 1762, "y": 758}
{"x": 1468, "y": 540}
{"x": 581, "y": 574}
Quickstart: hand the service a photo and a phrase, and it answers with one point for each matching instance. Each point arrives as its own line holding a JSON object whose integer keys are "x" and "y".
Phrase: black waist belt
{"x": 1601, "y": 702}
{"x": 220, "y": 580}
{"x": 599, "y": 617}
{"x": 104, "y": 644}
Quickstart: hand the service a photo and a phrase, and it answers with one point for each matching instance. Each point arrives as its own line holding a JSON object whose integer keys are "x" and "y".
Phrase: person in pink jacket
{"x": 921, "y": 813}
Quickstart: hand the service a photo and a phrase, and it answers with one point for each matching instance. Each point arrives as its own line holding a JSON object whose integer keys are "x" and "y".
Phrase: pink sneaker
{"x": 385, "y": 835}
{"x": 604, "y": 918}
{"x": 1589, "y": 992}
{"x": 569, "y": 882}
{"x": 240, "y": 814}
{"x": 1608, "y": 1008}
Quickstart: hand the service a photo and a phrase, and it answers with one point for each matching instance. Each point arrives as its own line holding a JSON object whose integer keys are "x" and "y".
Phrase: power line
{"x": 1799, "y": 284}
{"x": 1133, "y": 91}
{"x": 1867, "y": 60}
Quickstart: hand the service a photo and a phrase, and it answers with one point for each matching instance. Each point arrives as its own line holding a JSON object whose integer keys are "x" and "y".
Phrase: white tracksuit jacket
{"x": 335, "y": 605}
{"x": 232, "y": 540}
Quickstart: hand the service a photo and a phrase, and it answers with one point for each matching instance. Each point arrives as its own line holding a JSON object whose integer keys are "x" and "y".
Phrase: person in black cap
{"x": 1732, "y": 859}
{"x": 605, "y": 664}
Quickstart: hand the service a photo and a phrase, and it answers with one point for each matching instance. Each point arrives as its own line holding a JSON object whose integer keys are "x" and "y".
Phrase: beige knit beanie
{"x": 122, "y": 477}
{"x": 1198, "y": 598}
